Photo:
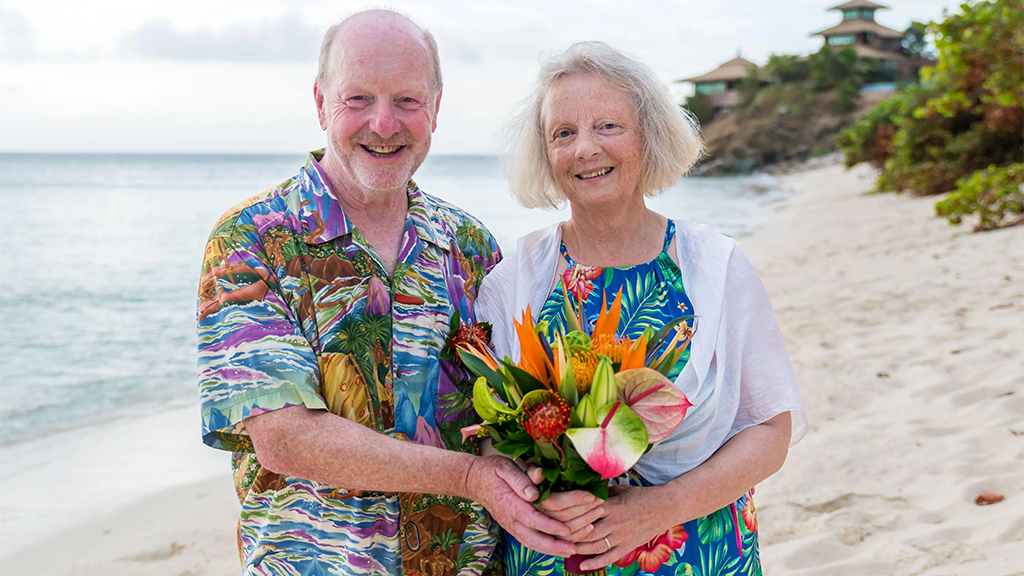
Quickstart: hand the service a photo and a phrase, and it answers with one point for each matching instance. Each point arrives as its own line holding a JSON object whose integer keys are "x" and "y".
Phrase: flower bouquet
{"x": 583, "y": 405}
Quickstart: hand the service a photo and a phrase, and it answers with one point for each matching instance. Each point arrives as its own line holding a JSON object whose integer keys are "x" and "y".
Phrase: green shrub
{"x": 829, "y": 68}
{"x": 967, "y": 116}
{"x": 995, "y": 195}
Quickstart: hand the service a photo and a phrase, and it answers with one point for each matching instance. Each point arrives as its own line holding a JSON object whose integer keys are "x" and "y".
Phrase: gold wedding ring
{"x": 608, "y": 543}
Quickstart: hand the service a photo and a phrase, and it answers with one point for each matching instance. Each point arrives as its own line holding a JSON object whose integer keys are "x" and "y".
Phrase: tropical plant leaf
{"x": 751, "y": 555}
{"x": 715, "y": 561}
{"x": 713, "y": 527}
{"x": 642, "y": 304}
{"x": 454, "y": 403}
{"x": 466, "y": 556}
{"x": 522, "y": 561}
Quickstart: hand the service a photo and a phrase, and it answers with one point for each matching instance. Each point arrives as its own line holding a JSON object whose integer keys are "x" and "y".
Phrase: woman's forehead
{"x": 581, "y": 96}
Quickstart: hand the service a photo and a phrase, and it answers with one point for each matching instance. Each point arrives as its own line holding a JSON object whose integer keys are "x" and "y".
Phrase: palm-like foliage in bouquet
{"x": 581, "y": 406}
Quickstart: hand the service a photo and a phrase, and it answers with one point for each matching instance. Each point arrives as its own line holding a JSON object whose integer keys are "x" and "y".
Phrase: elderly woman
{"x": 602, "y": 133}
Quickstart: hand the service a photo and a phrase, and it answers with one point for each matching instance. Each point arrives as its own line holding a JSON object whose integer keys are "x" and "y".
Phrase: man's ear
{"x": 318, "y": 97}
{"x": 437, "y": 108}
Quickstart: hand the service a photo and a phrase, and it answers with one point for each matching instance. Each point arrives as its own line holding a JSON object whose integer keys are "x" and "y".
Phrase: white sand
{"x": 906, "y": 335}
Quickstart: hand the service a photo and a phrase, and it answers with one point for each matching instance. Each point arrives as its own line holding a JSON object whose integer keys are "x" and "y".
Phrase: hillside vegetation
{"x": 962, "y": 130}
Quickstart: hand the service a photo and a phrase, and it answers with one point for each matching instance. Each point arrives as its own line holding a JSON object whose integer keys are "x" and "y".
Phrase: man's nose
{"x": 383, "y": 122}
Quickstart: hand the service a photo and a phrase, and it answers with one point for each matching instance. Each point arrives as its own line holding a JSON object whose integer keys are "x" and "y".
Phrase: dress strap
{"x": 670, "y": 231}
{"x": 565, "y": 254}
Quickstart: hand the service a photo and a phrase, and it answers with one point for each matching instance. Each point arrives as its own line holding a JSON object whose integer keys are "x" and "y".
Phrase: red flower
{"x": 653, "y": 554}
{"x": 750, "y": 513}
{"x": 578, "y": 280}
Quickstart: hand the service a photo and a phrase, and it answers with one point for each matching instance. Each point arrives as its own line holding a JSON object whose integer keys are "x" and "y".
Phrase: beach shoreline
{"x": 906, "y": 336}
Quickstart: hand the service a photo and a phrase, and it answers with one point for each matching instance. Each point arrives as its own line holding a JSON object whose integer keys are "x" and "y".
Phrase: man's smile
{"x": 382, "y": 151}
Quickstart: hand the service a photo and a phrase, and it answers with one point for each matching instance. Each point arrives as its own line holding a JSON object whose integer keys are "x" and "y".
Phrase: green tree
{"x": 783, "y": 68}
{"x": 915, "y": 41}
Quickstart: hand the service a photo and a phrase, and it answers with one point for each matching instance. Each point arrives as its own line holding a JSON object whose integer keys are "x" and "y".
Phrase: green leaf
{"x": 480, "y": 368}
{"x": 527, "y": 383}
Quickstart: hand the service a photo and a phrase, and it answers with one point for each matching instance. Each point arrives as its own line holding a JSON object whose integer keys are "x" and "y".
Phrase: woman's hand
{"x": 632, "y": 517}
{"x": 577, "y": 509}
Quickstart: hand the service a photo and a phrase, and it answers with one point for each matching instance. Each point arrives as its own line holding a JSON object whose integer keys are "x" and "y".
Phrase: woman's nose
{"x": 587, "y": 146}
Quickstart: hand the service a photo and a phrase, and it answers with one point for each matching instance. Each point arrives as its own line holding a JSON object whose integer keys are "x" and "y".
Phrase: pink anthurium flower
{"x": 655, "y": 399}
{"x": 615, "y": 445}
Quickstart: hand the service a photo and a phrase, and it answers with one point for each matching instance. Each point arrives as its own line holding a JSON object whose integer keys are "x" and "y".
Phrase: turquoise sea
{"x": 100, "y": 257}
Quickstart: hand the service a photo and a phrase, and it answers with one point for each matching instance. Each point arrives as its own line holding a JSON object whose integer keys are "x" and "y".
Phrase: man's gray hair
{"x": 670, "y": 136}
{"x": 323, "y": 68}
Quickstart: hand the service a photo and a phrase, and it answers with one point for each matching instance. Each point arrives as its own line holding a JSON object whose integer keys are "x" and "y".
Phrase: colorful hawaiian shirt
{"x": 295, "y": 308}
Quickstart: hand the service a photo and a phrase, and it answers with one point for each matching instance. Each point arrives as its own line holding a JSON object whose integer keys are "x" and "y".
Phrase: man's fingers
{"x": 540, "y": 541}
{"x": 536, "y": 475}
{"x": 519, "y": 483}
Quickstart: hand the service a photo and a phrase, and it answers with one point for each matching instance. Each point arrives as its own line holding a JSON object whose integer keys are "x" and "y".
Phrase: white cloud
{"x": 17, "y": 40}
{"x": 285, "y": 39}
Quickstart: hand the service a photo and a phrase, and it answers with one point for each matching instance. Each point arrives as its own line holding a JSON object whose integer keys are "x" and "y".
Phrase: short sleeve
{"x": 756, "y": 349}
{"x": 253, "y": 357}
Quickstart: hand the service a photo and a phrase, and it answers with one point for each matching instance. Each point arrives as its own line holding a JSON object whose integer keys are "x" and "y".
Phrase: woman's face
{"x": 593, "y": 140}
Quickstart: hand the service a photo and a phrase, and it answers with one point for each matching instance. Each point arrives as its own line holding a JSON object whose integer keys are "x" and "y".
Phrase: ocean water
{"x": 100, "y": 257}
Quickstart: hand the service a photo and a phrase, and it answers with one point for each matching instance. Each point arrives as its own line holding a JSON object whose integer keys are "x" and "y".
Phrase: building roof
{"x": 871, "y": 52}
{"x": 859, "y": 4}
{"x": 856, "y": 25}
{"x": 735, "y": 69}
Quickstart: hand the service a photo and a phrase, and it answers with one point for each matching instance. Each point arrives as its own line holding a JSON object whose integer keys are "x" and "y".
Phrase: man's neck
{"x": 379, "y": 215}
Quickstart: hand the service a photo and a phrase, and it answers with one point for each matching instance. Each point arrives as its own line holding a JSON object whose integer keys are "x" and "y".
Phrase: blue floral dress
{"x": 723, "y": 543}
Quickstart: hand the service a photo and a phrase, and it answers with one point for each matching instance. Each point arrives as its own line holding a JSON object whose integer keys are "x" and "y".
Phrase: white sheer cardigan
{"x": 738, "y": 374}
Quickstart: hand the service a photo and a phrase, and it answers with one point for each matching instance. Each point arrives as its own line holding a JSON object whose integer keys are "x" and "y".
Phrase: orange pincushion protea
{"x": 546, "y": 421}
{"x": 612, "y": 347}
{"x": 584, "y": 362}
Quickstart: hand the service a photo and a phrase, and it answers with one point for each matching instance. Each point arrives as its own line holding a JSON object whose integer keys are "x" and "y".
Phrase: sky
{"x": 232, "y": 76}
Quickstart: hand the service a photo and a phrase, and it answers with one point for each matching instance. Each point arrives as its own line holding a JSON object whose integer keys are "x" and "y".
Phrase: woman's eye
{"x": 563, "y": 133}
{"x": 608, "y": 126}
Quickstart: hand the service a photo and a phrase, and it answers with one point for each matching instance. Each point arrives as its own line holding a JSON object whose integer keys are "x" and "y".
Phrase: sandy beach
{"x": 907, "y": 336}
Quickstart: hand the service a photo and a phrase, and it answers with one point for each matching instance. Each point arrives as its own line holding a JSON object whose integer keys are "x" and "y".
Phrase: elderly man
{"x": 322, "y": 308}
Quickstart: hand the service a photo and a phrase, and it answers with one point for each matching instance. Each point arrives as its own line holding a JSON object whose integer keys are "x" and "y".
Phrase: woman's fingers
{"x": 579, "y": 500}
{"x": 601, "y": 560}
{"x": 535, "y": 474}
{"x": 587, "y": 519}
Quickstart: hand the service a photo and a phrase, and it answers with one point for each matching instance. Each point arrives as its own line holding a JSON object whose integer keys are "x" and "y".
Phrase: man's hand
{"x": 506, "y": 492}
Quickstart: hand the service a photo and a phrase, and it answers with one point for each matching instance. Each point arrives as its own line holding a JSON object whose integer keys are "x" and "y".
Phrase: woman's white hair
{"x": 670, "y": 136}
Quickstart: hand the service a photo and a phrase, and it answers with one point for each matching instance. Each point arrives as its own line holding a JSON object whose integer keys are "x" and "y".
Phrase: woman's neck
{"x": 619, "y": 236}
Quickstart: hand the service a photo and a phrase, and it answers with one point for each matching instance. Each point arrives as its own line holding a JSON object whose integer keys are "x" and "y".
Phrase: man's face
{"x": 379, "y": 107}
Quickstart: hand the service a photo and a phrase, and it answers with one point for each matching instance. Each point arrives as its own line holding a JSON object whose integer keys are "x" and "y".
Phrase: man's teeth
{"x": 382, "y": 149}
{"x": 595, "y": 173}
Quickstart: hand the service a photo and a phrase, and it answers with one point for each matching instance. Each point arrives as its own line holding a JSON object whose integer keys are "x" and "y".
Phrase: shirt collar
{"x": 324, "y": 219}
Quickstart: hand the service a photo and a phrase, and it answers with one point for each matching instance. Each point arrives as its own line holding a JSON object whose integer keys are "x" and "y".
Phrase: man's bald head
{"x": 377, "y": 21}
